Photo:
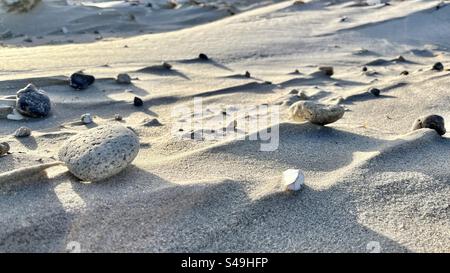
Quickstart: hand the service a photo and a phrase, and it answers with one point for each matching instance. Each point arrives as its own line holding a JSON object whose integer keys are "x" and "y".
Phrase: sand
{"x": 370, "y": 183}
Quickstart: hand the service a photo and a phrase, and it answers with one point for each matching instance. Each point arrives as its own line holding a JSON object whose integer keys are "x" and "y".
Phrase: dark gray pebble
{"x": 435, "y": 122}
{"x": 81, "y": 81}
{"x": 438, "y": 66}
{"x": 138, "y": 102}
{"x": 32, "y": 102}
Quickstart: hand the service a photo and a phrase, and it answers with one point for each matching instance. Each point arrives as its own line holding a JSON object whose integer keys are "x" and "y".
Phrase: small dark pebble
{"x": 327, "y": 70}
{"x": 375, "y": 91}
{"x": 81, "y": 81}
{"x": 364, "y": 69}
{"x": 138, "y": 102}
{"x": 404, "y": 73}
{"x": 438, "y": 66}
{"x": 435, "y": 122}
{"x": 203, "y": 57}
{"x": 247, "y": 74}
{"x": 166, "y": 65}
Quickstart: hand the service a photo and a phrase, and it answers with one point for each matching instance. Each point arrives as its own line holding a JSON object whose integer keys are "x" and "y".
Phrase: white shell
{"x": 15, "y": 115}
{"x": 293, "y": 179}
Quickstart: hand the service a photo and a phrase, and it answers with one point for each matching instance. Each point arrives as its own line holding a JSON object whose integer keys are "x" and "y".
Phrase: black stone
{"x": 434, "y": 122}
{"x": 375, "y": 91}
{"x": 81, "y": 81}
{"x": 247, "y": 74}
{"x": 203, "y": 57}
{"x": 138, "y": 102}
{"x": 438, "y": 66}
{"x": 364, "y": 69}
{"x": 404, "y": 73}
{"x": 32, "y": 102}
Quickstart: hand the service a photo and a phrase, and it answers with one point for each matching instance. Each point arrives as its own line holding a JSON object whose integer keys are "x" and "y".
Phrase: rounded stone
{"x": 166, "y": 65}
{"x": 99, "y": 153}
{"x": 22, "y": 132}
{"x": 434, "y": 122}
{"x": 118, "y": 117}
{"x": 4, "y": 148}
{"x": 327, "y": 70}
{"x": 123, "y": 78}
{"x": 33, "y": 102}
{"x": 203, "y": 56}
{"x": 375, "y": 91}
{"x": 81, "y": 81}
{"x": 438, "y": 66}
{"x": 316, "y": 113}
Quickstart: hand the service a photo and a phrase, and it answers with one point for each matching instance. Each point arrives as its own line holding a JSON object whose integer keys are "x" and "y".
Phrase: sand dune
{"x": 368, "y": 177}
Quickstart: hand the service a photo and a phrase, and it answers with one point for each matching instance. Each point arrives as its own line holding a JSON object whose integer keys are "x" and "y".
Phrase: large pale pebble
{"x": 100, "y": 152}
{"x": 316, "y": 113}
{"x": 293, "y": 179}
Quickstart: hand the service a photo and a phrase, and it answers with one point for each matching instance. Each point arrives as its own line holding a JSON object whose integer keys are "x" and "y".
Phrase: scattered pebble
{"x": 247, "y": 74}
{"x": 4, "y": 148}
{"x": 327, "y": 70}
{"x": 435, "y": 122}
{"x": 80, "y": 81}
{"x": 316, "y": 113}
{"x": 28, "y": 40}
{"x": 405, "y": 73}
{"x": 86, "y": 118}
{"x": 138, "y": 102}
{"x": 118, "y": 117}
{"x": 166, "y": 65}
{"x": 375, "y": 91}
{"x": 22, "y": 132}
{"x": 99, "y": 153}
{"x": 64, "y": 30}
{"x": 364, "y": 69}
{"x": 438, "y": 66}
{"x": 293, "y": 179}
{"x": 150, "y": 123}
{"x": 302, "y": 95}
{"x": 33, "y": 102}
{"x": 203, "y": 57}
{"x": 123, "y": 78}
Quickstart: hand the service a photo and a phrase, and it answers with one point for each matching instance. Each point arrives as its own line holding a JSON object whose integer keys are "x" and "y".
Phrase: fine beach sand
{"x": 368, "y": 178}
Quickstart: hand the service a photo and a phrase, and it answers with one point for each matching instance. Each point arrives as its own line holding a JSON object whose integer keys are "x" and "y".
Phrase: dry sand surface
{"x": 369, "y": 180}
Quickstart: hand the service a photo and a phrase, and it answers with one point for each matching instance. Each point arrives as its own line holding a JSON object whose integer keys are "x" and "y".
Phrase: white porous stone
{"x": 293, "y": 179}
{"x": 100, "y": 152}
{"x": 316, "y": 113}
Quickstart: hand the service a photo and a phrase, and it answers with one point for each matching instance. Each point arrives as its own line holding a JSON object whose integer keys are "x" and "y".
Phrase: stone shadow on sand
{"x": 201, "y": 61}
{"x": 160, "y": 70}
{"x": 301, "y": 141}
{"x": 139, "y": 211}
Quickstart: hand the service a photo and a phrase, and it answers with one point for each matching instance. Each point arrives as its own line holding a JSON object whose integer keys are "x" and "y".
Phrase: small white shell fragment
{"x": 15, "y": 115}
{"x": 86, "y": 118}
{"x": 64, "y": 30}
{"x": 293, "y": 179}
